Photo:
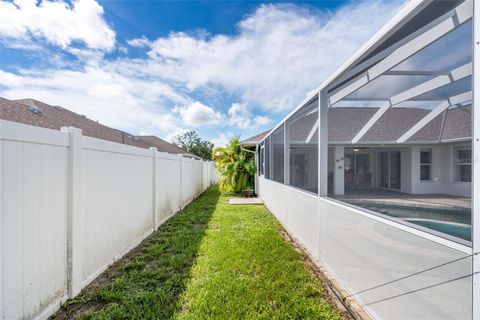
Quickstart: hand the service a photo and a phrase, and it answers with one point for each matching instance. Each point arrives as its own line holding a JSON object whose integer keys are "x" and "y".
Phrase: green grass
{"x": 210, "y": 261}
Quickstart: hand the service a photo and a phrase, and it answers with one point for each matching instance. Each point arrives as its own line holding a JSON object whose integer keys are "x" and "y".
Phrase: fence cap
{"x": 71, "y": 129}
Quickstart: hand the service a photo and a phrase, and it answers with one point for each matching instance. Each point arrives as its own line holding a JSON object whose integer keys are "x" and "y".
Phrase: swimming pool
{"x": 456, "y": 223}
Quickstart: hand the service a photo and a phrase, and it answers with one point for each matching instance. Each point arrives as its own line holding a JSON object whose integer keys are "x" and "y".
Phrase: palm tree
{"x": 236, "y": 167}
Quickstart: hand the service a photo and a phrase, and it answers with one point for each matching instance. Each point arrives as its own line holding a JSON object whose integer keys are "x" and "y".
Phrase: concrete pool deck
{"x": 432, "y": 201}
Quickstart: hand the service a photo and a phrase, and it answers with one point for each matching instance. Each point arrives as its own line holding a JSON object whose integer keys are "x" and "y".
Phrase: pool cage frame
{"x": 367, "y": 65}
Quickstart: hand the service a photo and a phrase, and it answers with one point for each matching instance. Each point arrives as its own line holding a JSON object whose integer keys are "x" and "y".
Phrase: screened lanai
{"x": 374, "y": 172}
{"x": 399, "y": 128}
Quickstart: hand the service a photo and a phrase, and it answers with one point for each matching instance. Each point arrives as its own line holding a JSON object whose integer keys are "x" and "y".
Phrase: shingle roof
{"x": 345, "y": 122}
{"x": 161, "y": 144}
{"x": 256, "y": 138}
{"x": 393, "y": 124}
{"x": 54, "y": 117}
{"x": 458, "y": 123}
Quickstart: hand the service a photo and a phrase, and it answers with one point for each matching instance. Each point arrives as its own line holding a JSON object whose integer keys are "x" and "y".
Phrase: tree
{"x": 236, "y": 167}
{"x": 192, "y": 143}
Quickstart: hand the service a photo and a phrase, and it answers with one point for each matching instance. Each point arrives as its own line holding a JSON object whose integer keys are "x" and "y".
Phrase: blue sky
{"x": 152, "y": 67}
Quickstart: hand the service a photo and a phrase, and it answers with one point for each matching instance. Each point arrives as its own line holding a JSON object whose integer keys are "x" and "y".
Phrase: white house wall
{"x": 363, "y": 252}
{"x": 443, "y": 172}
{"x": 69, "y": 207}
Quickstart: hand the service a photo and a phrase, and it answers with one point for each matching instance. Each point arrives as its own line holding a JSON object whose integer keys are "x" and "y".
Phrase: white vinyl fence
{"x": 71, "y": 205}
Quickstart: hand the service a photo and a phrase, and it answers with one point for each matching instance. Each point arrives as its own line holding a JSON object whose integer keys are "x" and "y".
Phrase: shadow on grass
{"x": 148, "y": 282}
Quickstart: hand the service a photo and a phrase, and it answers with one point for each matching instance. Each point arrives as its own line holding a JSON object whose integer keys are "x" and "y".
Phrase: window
{"x": 278, "y": 154}
{"x": 463, "y": 165}
{"x": 426, "y": 165}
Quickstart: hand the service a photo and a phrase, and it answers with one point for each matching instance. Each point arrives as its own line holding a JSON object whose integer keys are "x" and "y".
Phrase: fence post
{"x": 180, "y": 176}
{"x": 74, "y": 222}
{"x": 201, "y": 177}
{"x": 155, "y": 173}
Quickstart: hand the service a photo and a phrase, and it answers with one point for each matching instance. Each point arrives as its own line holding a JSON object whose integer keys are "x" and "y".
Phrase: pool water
{"x": 456, "y": 223}
{"x": 458, "y": 230}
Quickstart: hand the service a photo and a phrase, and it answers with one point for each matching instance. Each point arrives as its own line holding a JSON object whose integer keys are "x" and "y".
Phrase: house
{"x": 376, "y": 172}
{"x": 37, "y": 113}
{"x": 162, "y": 145}
{"x": 430, "y": 161}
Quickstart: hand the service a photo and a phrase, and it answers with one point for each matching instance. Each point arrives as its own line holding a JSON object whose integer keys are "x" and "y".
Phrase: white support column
{"x": 339, "y": 172}
{"x": 286, "y": 154}
{"x": 74, "y": 214}
{"x": 323, "y": 144}
{"x": 476, "y": 164}
{"x": 322, "y": 166}
{"x": 257, "y": 163}
{"x": 414, "y": 176}
{"x": 155, "y": 179}
{"x": 270, "y": 158}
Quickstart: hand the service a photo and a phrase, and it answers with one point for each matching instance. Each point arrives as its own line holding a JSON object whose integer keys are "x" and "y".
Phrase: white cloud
{"x": 241, "y": 117}
{"x": 177, "y": 132}
{"x": 123, "y": 49}
{"x": 221, "y": 140}
{"x": 10, "y": 79}
{"x": 280, "y": 52}
{"x": 198, "y": 114}
{"x": 114, "y": 99}
{"x": 139, "y": 42}
{"x": 57, "y": 22}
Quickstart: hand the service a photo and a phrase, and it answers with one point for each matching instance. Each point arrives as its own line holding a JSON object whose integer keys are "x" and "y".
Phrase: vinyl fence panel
{"x": 33, "y": 228}
{"x": 71, "y": 205}
{"x": 168, "y": 186}
{"x": 116, "y": 202}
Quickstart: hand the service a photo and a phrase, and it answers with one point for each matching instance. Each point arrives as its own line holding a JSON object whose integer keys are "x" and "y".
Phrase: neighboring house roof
{"x": 345, "y": 122}
{"x": 161, "y": 144}
{"x": 37, "y": 113}
{"x": 256, "y": 138}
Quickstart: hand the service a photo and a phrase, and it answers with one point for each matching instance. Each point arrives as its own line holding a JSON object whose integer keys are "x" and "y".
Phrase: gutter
{"x": 246, "y": 150}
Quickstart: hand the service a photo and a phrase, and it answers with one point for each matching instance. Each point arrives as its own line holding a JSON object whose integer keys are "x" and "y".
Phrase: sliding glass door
{"x": 389, "y": 169}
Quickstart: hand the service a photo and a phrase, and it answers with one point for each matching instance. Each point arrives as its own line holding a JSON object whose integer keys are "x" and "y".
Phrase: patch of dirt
{"x": 83, "y": 303}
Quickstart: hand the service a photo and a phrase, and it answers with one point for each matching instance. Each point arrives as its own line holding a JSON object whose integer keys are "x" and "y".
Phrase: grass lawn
{"x": 210, "y": 261}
